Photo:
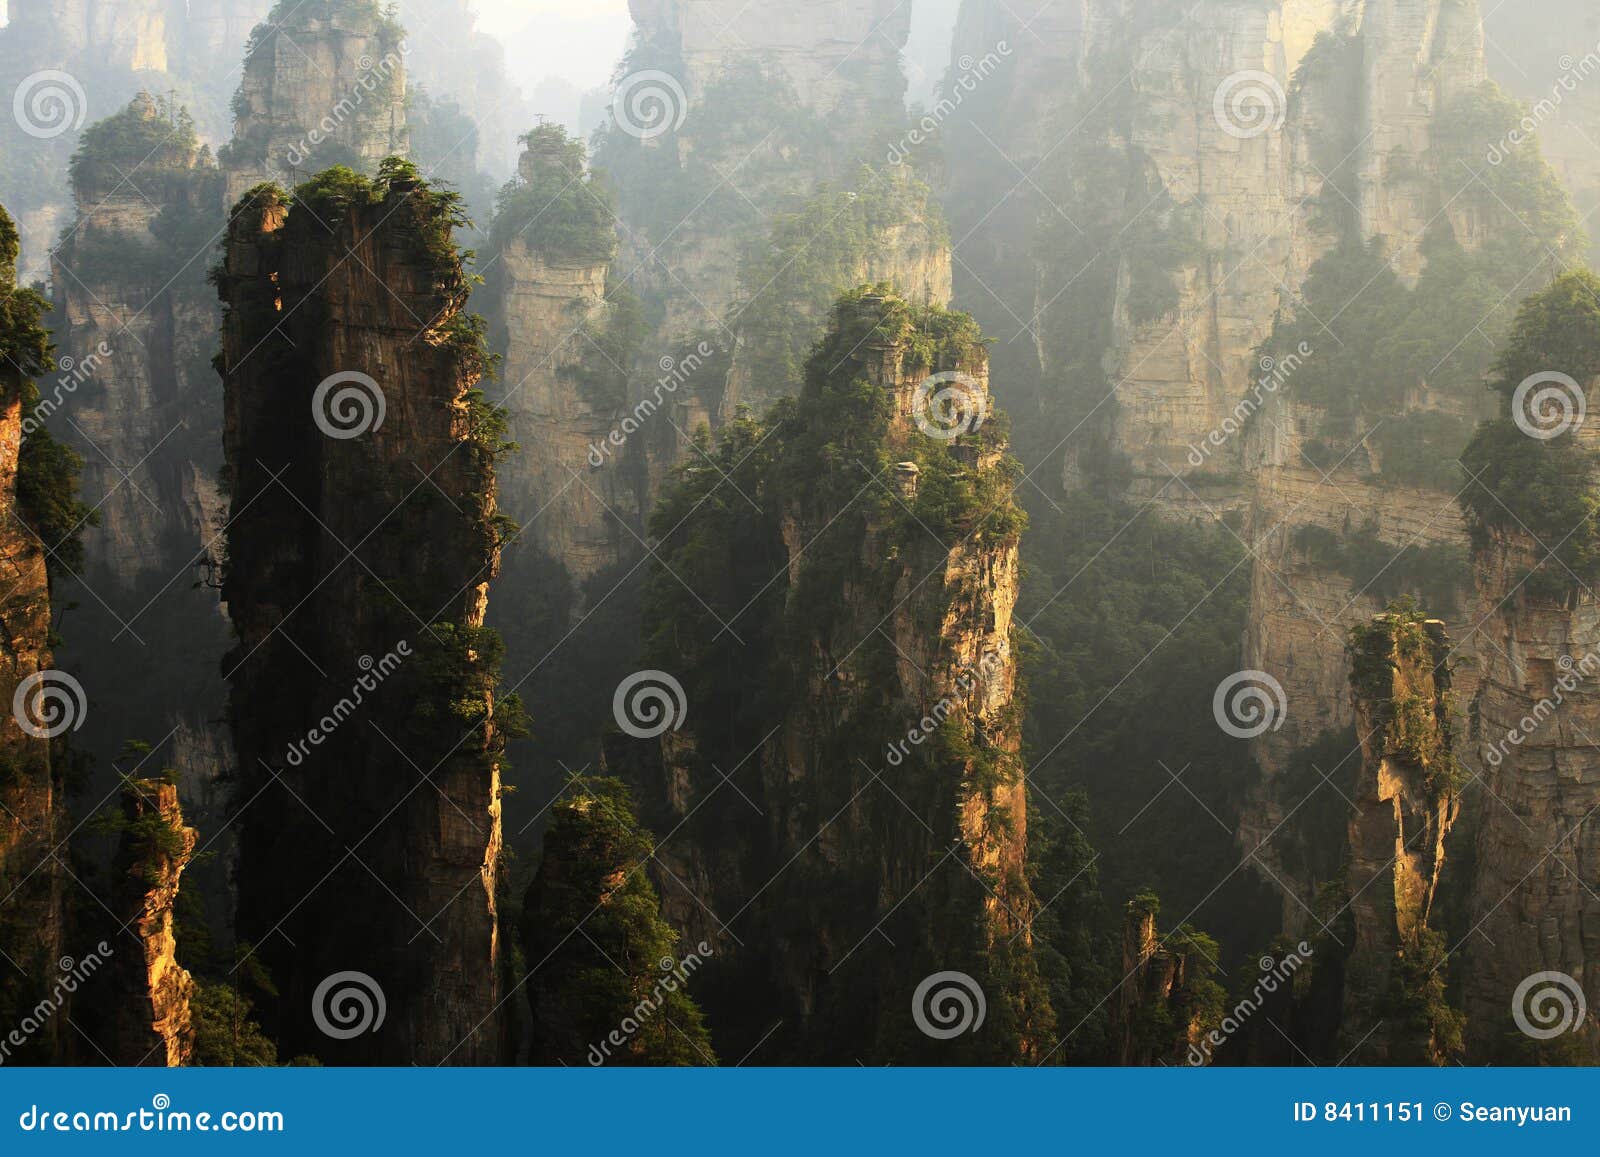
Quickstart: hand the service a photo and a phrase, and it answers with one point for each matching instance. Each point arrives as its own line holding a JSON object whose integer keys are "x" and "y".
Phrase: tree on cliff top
{"x": 608, "y": 980}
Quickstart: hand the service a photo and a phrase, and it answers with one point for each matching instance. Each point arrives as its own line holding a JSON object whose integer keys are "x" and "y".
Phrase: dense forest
{"x": 1095, "y": 568}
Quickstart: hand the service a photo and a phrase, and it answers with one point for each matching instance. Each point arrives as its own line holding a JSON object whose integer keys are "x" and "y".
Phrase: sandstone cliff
{"x": 153, "y": 1022}
{"x": 136, "y": 395}
{"x": 31, "y": 775}
{"x": 879, "y": 558}
{"x": 364, "y": 535}
{"x": 1406, "y": 801}
{"x": 1278, "y": 170}
{"x": 108, "y": 50}
{"x": 324, "y": 84}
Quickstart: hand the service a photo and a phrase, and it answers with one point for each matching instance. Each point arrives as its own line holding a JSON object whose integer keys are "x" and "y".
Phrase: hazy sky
{"x": 581, "y": 40}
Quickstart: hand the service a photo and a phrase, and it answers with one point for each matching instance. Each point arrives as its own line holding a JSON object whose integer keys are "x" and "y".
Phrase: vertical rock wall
{"x": 1405, "y": 805}
{"x": 360, "y": 558}
{"x": 153, "y": 1022}
{"x": 33, "y": 820}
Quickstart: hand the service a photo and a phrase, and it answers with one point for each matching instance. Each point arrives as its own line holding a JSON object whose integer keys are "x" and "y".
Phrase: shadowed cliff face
{"x": 136, "y": 395}
{"x": 842, "y": 794}
{"x": 33, "y": 821}
{"x": 365, "y": 533}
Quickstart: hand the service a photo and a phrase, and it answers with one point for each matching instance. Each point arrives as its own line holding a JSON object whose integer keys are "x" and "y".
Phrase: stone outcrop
{"x": 1532, "y": 910}
{"x": 323, "y": 85}
{"x": 1158, "y": 1011}
{"x": 1406, "y": 801}
{"x": 33, "y": 818}
{"x": 111, "y": 49}
{"x": 1248, "y": 141}
{"x": 364, "y": 535}
{"x": 549, "y": 313}
{"x": 136, "y": 395}
{"x": 153, "y": 1022}
{"x": 824, "y": 876}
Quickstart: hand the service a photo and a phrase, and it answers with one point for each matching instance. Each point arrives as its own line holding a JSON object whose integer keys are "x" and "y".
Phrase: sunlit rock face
{"x": 882, "y": 764}
{"x": 1406, "y": 802}
{"x": 153, "y": 1023}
